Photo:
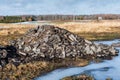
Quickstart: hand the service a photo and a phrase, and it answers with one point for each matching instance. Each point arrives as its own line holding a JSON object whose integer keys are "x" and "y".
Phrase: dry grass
{"x": 10, "y": 32}
{"x": 100, "y": 36}
{"x": 23, "y": 71}
{"x": 5, "y": 39}
{"x": 76, "y": 27}
{"x": 31, "y": 70}
{"x": 80, "y": 77}
{"x": 93, "y": 26}
{"x": 6, "y": 29}
{"x": 90, "y": 30}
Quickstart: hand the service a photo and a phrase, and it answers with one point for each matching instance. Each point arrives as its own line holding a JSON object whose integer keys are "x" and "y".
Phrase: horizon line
{"x": 63, "y": 14}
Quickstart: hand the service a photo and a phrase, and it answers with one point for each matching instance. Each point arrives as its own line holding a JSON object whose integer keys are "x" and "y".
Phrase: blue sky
{"x": 21, "y": 7}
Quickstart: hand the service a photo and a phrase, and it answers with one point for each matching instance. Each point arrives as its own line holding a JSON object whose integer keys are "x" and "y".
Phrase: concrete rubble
{"x": 50, "y": 42}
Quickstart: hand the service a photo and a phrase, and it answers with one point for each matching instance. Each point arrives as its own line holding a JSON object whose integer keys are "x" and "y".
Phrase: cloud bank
{"x": 37, "y": 7}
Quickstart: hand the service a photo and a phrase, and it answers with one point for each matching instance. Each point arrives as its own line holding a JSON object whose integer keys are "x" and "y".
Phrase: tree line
{"x": 23, "y": 18}
{"x": 15, "y": 19}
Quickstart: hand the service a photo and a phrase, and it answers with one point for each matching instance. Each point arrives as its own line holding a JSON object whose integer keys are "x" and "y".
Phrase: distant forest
{"x": 23, "y": 18}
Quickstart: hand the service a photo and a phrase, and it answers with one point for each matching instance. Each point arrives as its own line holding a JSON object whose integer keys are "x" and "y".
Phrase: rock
{"x": 116, "y": 44}
{"x": 3, "y": 53}
{"x": 53, "y": 42}
{"x": 22, "y": 53}
{"x": 7, "y": 53}
{"x": 49, "y": 42}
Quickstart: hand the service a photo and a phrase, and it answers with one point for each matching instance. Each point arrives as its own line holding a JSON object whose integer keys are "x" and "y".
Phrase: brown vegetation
{"x": 31, "y": 70}
{"x": 80, "y": 77}
{"x": 90, "y": 30}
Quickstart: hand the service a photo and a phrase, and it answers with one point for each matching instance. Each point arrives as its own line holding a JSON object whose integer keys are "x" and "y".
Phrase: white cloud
{"x": 16, "y": 7}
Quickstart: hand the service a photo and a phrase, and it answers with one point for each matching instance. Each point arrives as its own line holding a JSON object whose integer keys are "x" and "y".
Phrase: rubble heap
{"x": 49, "y": 42}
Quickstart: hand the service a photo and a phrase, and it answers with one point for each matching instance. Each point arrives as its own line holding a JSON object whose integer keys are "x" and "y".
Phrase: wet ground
{"x": 100, "y": 71}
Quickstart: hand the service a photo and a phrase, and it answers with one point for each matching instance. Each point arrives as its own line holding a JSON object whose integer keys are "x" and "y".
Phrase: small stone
{"x": 3, "y": 53}
{"x": 22, "y": 53}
